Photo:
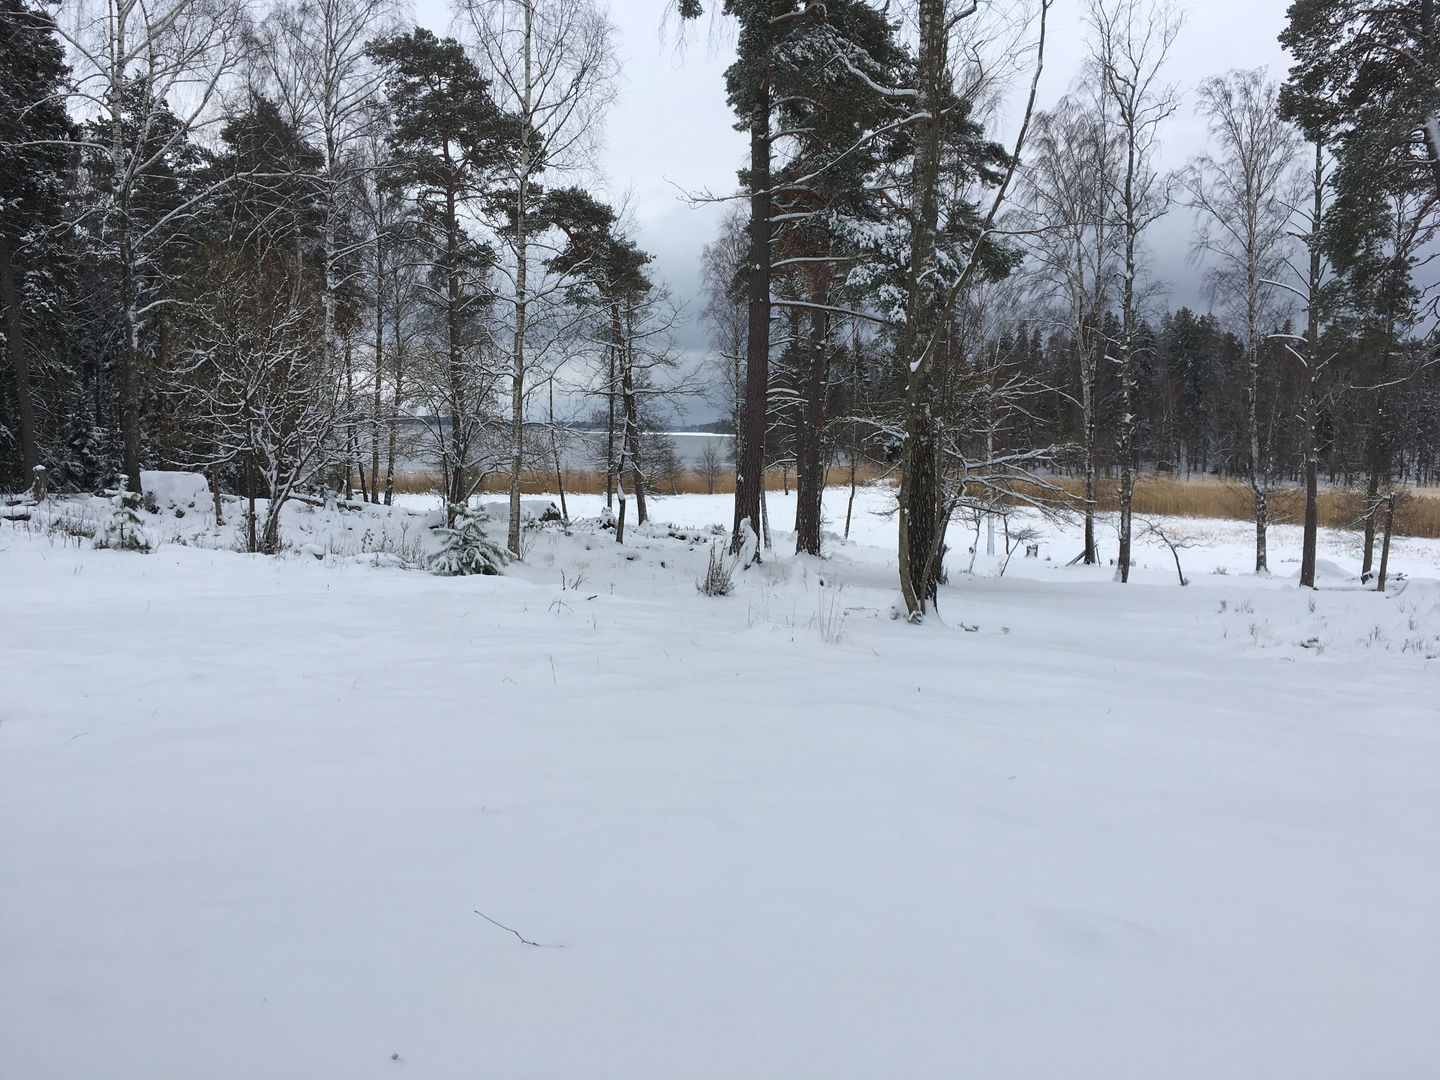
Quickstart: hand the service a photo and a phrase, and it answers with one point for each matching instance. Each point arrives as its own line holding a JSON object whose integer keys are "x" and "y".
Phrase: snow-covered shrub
{"x": 719, "y": 578}
{"x": 465, "y": 548}
{"x": 124, "y": 530}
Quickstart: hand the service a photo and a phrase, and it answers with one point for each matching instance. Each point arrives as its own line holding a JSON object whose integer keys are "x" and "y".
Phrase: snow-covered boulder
{"x": 531, "y": 510}
{"x": 1333, "y": 572}
{"x": 175, "y": 490}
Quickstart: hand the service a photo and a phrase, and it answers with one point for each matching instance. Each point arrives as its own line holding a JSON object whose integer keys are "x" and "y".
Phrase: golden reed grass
{"x": 1417, "y": 511}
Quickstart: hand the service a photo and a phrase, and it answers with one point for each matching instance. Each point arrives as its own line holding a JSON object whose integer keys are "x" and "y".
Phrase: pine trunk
{"x": 750, "y": 451}
{"x": 809, "y": 444}
{"x": 455, "y": 492}
{"x": 919, "y": 498}
{"x": 612, "y": 405}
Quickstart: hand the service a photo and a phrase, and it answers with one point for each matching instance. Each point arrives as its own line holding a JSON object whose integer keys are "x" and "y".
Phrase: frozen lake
{"x": 585, "y": 449}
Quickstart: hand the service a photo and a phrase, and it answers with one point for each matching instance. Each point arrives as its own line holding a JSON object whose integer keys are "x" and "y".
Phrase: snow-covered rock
{"x": 531, "y": 510}
{"x": 175, "y": 490}
{"x": 1329, "y": 572}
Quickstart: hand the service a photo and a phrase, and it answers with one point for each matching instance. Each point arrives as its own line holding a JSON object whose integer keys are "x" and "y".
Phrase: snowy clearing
{"x": 251, "y": 807}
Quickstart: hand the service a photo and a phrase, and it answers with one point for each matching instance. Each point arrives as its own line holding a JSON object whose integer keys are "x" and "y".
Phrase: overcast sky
{"x": 670, "y": 127}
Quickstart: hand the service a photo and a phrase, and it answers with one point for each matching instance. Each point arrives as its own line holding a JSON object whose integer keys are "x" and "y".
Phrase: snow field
{"x": 249, "y": 808}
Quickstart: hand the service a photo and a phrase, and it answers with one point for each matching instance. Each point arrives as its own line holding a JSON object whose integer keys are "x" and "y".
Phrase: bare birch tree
{"x": 1074, "y": 254}
{"x": 1132, "y": 39}
{"x": 1238, "y": 193}
{"x": 254, "y": 379}
{"x": 722, "y": 269}
{"x": 314, "y": 61}
{"x": 552, "y": 66}
{"x": 386, "y": 230}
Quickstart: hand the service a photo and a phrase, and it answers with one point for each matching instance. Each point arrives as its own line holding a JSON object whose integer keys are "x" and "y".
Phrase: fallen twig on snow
{"x": 524, "y": 940}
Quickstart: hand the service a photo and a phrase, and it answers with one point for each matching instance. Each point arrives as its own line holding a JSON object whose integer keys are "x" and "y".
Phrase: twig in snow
{"x": 523, "y": 940}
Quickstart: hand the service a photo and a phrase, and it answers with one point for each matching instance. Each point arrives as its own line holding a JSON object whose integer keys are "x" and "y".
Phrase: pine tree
{"x": 598, "y": 259}
{"x": 1366, "y": 87}
{"x": 832, "y": 86}
{"x": 762, "y": 26}
{"x": 146, "y": 170}
{"x": 1368, "y": 76}
{"x": 449, "y": 142}
{"x": 267, "y": 181}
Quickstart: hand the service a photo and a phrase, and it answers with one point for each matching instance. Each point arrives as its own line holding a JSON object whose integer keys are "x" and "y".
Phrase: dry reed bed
{"x": 1417, "y": 511}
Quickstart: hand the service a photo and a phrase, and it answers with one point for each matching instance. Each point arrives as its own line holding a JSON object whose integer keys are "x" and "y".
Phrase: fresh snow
{"x": 249, "y": 808}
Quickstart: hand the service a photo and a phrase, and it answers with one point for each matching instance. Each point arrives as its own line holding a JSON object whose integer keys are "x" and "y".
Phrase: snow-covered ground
{"x": 250, "y": 808}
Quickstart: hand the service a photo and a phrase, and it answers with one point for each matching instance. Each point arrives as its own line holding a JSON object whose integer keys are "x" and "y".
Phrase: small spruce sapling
{"x": 124, "y": 530}
{"x": 465, "y": 548}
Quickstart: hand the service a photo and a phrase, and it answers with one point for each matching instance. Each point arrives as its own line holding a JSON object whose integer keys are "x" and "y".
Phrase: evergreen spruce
{"x": 465, "y": 548}
{"x": 35, "y": 161}
{"x": 124, "y": 530}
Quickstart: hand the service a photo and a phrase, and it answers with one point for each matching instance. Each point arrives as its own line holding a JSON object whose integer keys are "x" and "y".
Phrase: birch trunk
{"x": 522, "y": 256}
